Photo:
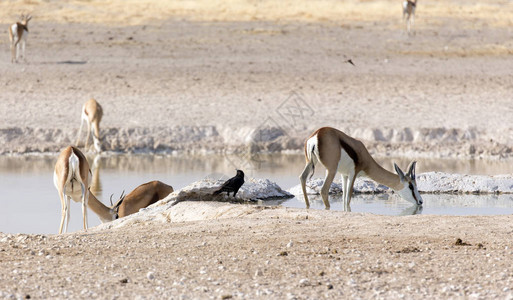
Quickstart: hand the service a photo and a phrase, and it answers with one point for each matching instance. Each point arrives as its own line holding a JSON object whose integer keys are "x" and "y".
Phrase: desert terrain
{"x": 197, "y": 76}
{"x": 234, "y": 76}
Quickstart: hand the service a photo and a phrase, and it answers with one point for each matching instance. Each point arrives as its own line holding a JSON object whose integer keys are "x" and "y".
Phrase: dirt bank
{"x": 256, "y": 253}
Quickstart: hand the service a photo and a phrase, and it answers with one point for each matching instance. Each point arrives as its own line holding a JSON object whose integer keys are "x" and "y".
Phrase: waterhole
{"x": 30, "y": 203}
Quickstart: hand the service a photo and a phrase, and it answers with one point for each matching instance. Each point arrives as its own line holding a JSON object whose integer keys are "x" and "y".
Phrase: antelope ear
{"x": 411, "y": 170}
{"x": 399, "y": 172}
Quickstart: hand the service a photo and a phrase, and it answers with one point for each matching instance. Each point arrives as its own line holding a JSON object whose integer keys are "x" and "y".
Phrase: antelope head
{"x": 115, "y": 207}
{"x": 409, "y": 191}
{"x": 24, "y": 19}
{"x": 97, "y": 141}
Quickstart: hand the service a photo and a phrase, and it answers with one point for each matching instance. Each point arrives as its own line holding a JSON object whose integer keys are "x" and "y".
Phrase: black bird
{"x": 349, "y": 61}
{"x": 232, "y": 185}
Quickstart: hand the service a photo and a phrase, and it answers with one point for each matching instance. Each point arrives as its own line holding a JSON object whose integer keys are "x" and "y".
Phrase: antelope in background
{"x": 338, "y": 152}
{"x": 409, "y": 7}
{"x": 18, "y": 33}
{"x": 92, "y": 114}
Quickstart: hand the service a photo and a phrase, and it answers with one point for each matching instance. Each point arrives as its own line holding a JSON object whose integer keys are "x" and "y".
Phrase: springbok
{"x": 339, "y": 152}
{"x": 18, "y": 33}
{"x": 409, "y": 13}
{"x": 141, "y": 197}
{"x": 72, "y": 171}
{"x": 71, "y": 178}
{"x": 92, "y": 114}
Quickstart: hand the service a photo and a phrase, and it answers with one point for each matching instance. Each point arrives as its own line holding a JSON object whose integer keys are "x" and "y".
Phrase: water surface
{"x": 30, "y": 203}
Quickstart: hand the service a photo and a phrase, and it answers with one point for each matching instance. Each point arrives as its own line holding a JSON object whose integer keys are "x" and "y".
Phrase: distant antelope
{"x": 92, "y": 114}
{"x": 409, "y": 7}
{"x": 71, "y": 177}
{"x": 18, "y": 33}
{"x": 339, "y": 152}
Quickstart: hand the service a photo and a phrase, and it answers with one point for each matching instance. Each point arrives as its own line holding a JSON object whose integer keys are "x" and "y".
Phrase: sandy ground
{"x": 220, "y": 78}
{"x": 223, "y": 75}
{"x": 250, "y": 252}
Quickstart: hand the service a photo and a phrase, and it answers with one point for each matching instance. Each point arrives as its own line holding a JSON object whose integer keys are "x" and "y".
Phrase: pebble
{"x": 304, "y": 282}
{"x": 291, "y": 296}
{"x": 150, "y": 275}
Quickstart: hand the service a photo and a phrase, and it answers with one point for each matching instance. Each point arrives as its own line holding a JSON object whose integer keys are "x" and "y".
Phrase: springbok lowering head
{"x": 339, "y": 152}
{"x": 71, "y": 177}
{"x": 409, "y": 7}
{"x": 18, "y": 33}
{"x": 142, "y": 196}
{"x": 92, "y": 114}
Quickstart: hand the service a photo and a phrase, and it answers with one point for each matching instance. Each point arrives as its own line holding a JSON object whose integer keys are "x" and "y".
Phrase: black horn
{"x": 411, "y": 171}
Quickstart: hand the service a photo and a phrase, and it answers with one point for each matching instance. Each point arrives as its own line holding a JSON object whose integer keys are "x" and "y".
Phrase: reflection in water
{"x": 31, "y": 205}
{"x": 434, "y": 204}
{"x": 96, "y": 184}
{"x": 270, "y": 163}
{"x": 385, "y": 204}
{"x": 412, "y": 210}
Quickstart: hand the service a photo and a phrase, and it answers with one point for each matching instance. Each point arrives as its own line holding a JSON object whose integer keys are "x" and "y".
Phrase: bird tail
{"x": 217, "y": 192}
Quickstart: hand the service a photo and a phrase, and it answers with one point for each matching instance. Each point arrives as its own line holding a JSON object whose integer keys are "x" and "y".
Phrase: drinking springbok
{"x": 71, "y": 177}
{"x": 339, "y": 152}
{"x": 92, "y": 114}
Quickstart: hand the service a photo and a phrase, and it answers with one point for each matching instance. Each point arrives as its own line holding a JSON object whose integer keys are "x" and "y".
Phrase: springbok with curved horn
{"x": 141, "y": 197}
{"x": 409, "y": 7}
{"x": 92, "y": 114}
{"x": 18, "y": 33}
{"x": 339, "y": 152}
{"x": 71, "y": 178}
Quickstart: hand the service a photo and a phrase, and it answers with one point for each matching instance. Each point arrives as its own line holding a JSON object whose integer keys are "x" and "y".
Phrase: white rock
{"x": 430, "y": 182}
{"x": 212, "y": 207}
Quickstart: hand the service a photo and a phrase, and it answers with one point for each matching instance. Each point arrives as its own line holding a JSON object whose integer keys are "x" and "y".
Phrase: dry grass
{"x": 133, "y": 12}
